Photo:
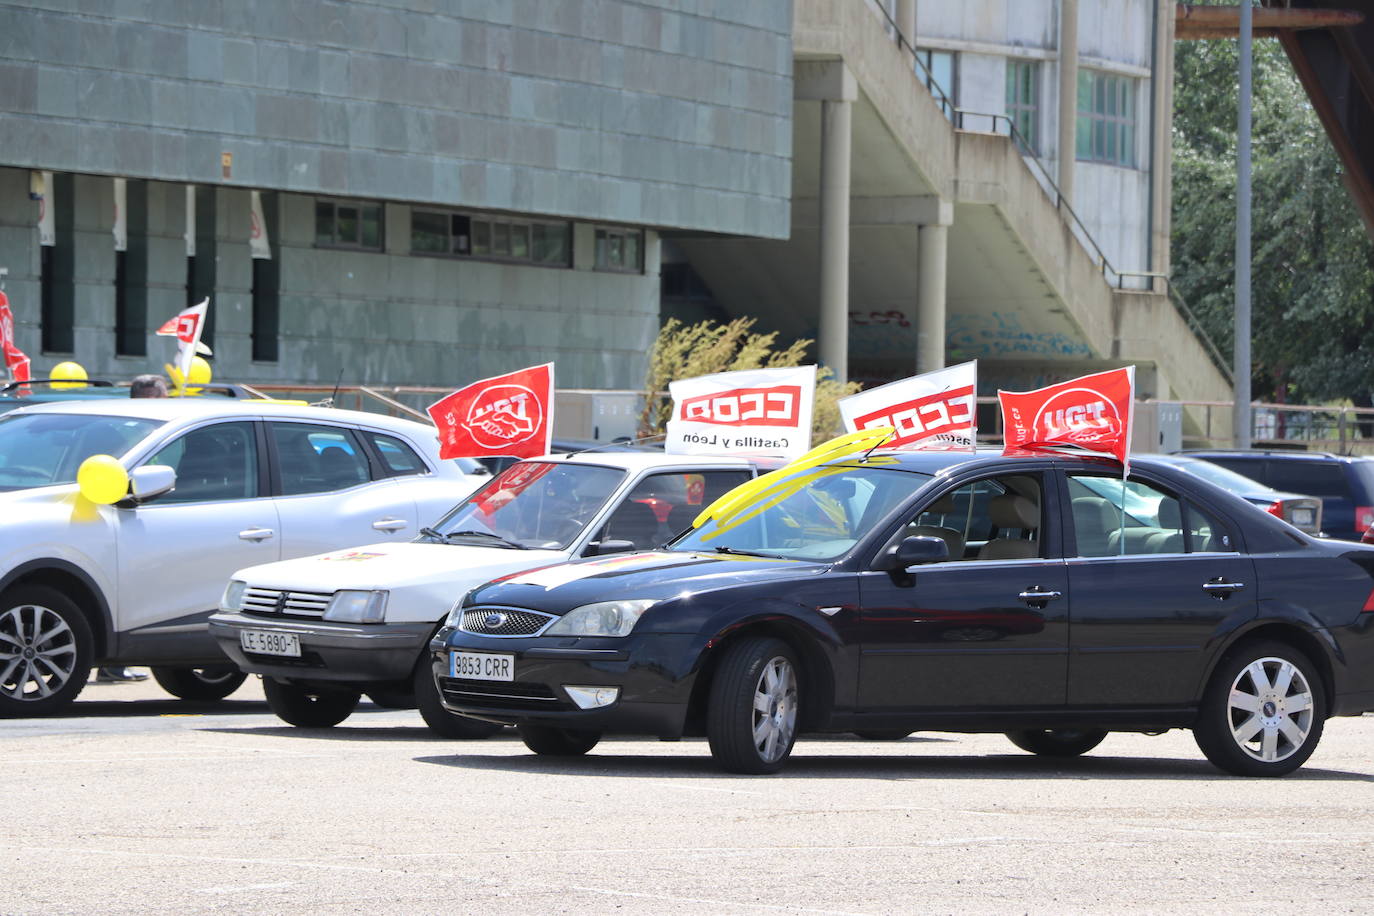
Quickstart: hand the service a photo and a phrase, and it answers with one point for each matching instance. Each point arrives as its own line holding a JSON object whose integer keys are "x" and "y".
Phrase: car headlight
{"x": 455, "y": 613}
{"x": 233, "y": 595}
{"x": 604, "y": 618}
{"x": 356, "y": 607}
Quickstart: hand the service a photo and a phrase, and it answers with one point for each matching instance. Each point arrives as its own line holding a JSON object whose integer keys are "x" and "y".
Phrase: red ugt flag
{"x": 1092, "y": 413}
{"x": 508, "y": 415}
{"x": 15, "y": 360}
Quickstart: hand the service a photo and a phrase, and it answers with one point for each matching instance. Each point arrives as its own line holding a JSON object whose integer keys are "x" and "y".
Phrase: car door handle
{"x": 256, "y": 534}
{"x": 389, "y": 524}
{"x": 1035, "y": 595}
{"x": 1220, "y": 589}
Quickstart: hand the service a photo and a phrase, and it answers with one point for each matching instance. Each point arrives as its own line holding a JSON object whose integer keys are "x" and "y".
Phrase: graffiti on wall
{"x": 1002, "y": 335}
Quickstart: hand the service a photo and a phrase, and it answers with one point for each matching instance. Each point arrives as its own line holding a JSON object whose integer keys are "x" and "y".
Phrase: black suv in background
{"x": 1345, "y": 484}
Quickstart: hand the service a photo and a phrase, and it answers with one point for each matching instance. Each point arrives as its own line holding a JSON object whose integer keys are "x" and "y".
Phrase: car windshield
{"x": 1223, "y": 477}
{"x": 541, "y": 504}
{"x": 41, "y": 449}
{"x": 812, "y": 514}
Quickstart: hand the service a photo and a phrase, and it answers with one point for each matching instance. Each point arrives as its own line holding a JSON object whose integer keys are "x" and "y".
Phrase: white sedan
{"x": 213, "y": 485}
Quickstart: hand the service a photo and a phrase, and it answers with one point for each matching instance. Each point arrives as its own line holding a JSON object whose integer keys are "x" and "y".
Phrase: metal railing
{"x": 1144, "y": 281}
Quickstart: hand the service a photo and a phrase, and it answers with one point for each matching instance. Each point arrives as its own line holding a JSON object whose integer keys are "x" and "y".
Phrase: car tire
{"x": 883, "y": 734}
{"x": 213, "y": 682}
{"x": 1263, "y": 711}
{"x": 441, "y": 722}
{"x": 751, "y": 718}
{"x": 60, "y": 663}
{"x": 1057, "y": 742}
{"x": 557, "y": 742}
{"x": 309, "y": 707}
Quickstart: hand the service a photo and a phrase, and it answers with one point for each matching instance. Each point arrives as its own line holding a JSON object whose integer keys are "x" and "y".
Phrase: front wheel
{"x": 309, "y": 707}
{"x": 1057, "y": 742}
{"x": 214, "y": 682}
{"x": 45, "y": 651}
{"x": 557, "y": 742}
{"x": 751, "y": 720}
{"x": 1263, "y": 711}
{"x": 441, "y": 722}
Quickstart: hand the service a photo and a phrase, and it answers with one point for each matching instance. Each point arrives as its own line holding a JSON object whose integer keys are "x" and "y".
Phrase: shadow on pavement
{"x": 885, "y": 766}
{"x": 162, "y": 706}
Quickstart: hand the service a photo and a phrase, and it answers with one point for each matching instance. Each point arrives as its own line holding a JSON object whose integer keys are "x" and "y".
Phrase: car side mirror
{"x": 610, "y": 545}
{"x": 916, "y": 551}
{"x": 148, "y": 483}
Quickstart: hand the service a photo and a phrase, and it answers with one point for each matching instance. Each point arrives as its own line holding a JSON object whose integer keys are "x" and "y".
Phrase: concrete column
{"x": 930, "y": 297}
{"x": 1068, "y": 94}
{"x": 906, "y": 20}
{"x": 836, "y": 117}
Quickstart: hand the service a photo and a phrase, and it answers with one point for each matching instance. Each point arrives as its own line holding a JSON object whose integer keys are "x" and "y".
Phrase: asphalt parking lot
{"x": 138, "y": 803}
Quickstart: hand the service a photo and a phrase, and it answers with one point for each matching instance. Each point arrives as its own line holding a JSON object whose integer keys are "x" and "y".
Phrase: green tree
{"x": 686, "y": 351}
{"x": 1312, "y": 280}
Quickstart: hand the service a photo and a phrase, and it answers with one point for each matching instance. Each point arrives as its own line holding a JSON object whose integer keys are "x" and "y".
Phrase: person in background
{"x": 143, "y": 386}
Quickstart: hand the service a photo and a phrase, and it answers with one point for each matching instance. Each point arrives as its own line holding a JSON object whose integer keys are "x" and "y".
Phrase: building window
{"x": 441, "y": 232}
{"x": 620, "y": 250}
{"x": 936, "y": 69}
{"x": 58, "y": 291}
{"x": 1023, "y": 108}
{"x": 348, "y": 224}
{"x": 1106, "y": 118}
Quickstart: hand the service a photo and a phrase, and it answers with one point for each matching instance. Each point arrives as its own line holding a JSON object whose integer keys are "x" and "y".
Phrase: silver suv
{"x": 213, "y": 485}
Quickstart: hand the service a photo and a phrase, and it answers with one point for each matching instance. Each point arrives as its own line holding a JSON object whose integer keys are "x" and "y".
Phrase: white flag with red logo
{"x": 751, "y": 411}
{"x": 508, "y": 415}
{"x": 16, "y": 363}
{"x": 1092, "y": 413}
{"x": 186, "y": 327}
{"x": 932, "y": 411}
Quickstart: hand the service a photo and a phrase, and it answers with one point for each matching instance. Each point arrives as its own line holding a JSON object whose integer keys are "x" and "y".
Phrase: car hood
{"x": 396, "y": 566}
{"x": 657, "y": 574}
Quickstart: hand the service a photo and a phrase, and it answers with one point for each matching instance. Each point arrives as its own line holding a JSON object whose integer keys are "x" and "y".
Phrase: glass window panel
{"x": 429, "y": 232}
{"x": 347, "y": 224}
{"x": 213, "y": 463}
{"x": 324, "y": 223}
{"x": 317, "y": 459}
{"x": 520, "y": 241}
{"x": 372, "y": 227}
{"x": 481, "y": 236}
{"x": 500, "y": 239}
{"x": 460, "y": 233}
{"x": 1206, "y": 534}
{"x": 398, "y": 458}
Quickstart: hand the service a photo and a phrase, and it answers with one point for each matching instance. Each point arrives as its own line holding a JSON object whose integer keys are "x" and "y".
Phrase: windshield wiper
{"x": 747, "y": 553}
{"x": 433, "y": 535}
{"x": 485, "y": 534}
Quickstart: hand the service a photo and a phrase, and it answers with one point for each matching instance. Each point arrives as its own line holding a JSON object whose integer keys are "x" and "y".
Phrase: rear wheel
{"x": 45, "y": 651}
{"x": 441, "y": 722}
{"x": 214, "y": 682}
{"x": 1263, "y": 711}
{"x": 558, "y": 742}
{"x": 751, "y": 721}
{"x": 1057, "y": 742}
{"x": 309, "y": 707}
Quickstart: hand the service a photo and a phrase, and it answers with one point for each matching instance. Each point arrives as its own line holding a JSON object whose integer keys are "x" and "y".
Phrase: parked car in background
{"x": 325, "y": 629}
{"x": 205, "y": 485}
{"x": 1344, "y": 484}
{"x": 950, "y": 592}
{"x": 1302, "y": 512}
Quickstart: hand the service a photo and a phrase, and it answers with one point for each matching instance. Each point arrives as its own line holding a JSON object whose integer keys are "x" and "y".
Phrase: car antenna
{"x": 617, "y": 442}
{"x": 878, "y": 443}
{"x": 335, "y": 393}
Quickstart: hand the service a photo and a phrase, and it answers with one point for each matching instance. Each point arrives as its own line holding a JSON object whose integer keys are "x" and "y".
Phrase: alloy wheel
{"x": 38, "y": 652}
{"x": 1270, "y": 709}
{"x": 775, "y": 709}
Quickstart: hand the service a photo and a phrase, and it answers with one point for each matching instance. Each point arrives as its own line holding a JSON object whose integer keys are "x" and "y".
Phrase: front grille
{"x": 504, "y": 621}
{"x": 501, "y": 695}
{"x": 271, "y": 602}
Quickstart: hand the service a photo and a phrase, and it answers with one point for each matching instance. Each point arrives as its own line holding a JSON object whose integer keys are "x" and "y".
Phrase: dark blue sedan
{"x": 1040, "y": 596}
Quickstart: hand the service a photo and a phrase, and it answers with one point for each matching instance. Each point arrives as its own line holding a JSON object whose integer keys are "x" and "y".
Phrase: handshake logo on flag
{"x": 503, "y": 415}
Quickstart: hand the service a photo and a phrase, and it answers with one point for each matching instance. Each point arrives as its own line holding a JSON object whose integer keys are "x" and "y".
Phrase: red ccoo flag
{"x": 508, "y": 415}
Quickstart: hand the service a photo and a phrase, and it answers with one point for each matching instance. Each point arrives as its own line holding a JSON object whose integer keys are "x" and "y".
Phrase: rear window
{"x": 1310, "y": 478}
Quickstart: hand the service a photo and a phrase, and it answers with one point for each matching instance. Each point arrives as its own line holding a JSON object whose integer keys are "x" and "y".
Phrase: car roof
{"x": 637, "y": 460}
{"x": 1295, "y": 454}
{"x": 194, "y": 408}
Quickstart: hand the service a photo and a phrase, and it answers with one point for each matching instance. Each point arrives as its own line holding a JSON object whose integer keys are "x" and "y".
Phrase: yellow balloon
{"x": 102, "y": 479}
{"x": 199, "y": 375}
{"x": 68, "y": 370}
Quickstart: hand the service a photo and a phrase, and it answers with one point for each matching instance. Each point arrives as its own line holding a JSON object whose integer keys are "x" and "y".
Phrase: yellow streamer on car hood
{"x": 831, "y": 450}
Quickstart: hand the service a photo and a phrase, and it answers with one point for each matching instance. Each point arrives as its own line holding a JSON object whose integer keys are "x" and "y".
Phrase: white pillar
{"x": 836, "y": 117}
{"x": 1068, "y": 95}
{"x": 931, "y": 258}
{"x": 906, "y": 20}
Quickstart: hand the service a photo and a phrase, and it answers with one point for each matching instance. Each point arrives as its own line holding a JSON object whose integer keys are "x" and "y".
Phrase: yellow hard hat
{"x": 199, "y": 375}
{"x": 68, "y": 370}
